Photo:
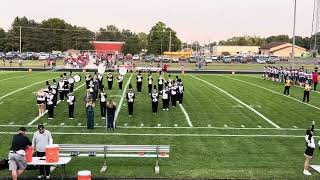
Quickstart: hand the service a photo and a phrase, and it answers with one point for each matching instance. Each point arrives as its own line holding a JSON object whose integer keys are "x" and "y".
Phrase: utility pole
{"x": 315, "y": 49}
{"x": 294, "y": 32}
{"x": 20, "y": 39}
{"x": 170, "y": 42}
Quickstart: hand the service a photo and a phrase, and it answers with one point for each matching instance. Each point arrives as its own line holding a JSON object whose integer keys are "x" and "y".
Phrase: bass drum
{"x": 71, "y": 80}
{"x": 123, "y": 71}
{"x": 77, "y": 78}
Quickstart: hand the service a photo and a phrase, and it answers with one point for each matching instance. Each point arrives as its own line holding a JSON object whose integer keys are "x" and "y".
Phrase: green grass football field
{"x": 229, "y": 126}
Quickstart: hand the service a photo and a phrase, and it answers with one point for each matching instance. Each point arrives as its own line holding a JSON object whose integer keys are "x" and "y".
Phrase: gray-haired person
{"x": 17, "y": 161}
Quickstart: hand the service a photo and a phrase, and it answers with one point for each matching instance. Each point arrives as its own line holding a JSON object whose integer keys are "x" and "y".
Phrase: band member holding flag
{"x": 130, "y": 98}
{"x": 154, "y": 99}
{"x": 71, "y": 100}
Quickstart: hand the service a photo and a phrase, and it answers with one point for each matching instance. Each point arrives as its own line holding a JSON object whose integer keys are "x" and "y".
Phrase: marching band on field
{"x": 170, "y": 90}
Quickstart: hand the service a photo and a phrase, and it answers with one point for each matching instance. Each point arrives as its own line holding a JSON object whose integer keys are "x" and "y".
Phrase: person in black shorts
{"x": 308, "y": 153}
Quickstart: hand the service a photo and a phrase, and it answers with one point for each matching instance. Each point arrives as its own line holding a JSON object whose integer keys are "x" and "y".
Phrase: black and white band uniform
{"x": 66, "y": 85}
{"x": 54, "y": 92}
{"x": 165, "y": 98}
{"x": 310, "y": 144}
{"x": 88, "y": 79}
{"x": 161, "y": 81}
{"x": 154, "y": 99}
{"x": 130, "y": 98}
{"x": 100, "y": 79}
{"x": 174, "y": 94}
{"x": 50, "y": 104}
{"x": 95, "y": 88}
{"x": 120, "y": 80}
{"x": 139, "y": 83}
{"x": 150, "y": 80}
{"x": 110, "y": 80}
{"x": 61, "y": 89}
{"x": 71, "y": 99}
{"x": 181, "y": 91}
{"x": 103, "y": 103}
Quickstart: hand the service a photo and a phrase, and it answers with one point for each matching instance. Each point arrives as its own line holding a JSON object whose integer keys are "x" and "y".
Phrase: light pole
{"x": 294, "y": 32}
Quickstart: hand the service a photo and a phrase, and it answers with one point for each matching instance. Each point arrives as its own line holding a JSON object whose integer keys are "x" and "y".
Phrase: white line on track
{"x": 121, "y": 100}
{"x": 13, "y": 92}
{"x": 236, "y": 99}
{"x": 171, "y": 135}
{"x": 186, "y": 115}
{"x": 275, "y": 92}
{"x": 38, "y": 117}
{"x": 115, "y": 96}
{"x": 17, "y": 77}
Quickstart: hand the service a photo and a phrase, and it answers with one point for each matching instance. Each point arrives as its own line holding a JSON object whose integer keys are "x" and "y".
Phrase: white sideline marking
{"x": 209, "y": 125}
{"x": 37, "y": 118}
{"x": 295, "y": 127}
{"x": 186, "y": 115}
{"x": 171, "y": 135}
{"x": 242, "y": 126}
{"x": 259, "y": 127}
{"x": 115, "y": 96}
{"x": 121, "y": 100}
{"x": 13, "y": 92}
{"x": 175, "y": 125}
{"x": 61, "y": 124}
{"x": 79, "y": 124}
{"x": 159, "y": 125}
{"x": 225, "y": 126}
{"x": 16, "y": 77}
{"x": 141, "y": 125}
{"x": 244, "y": 104}
{"x": 272, "y": 91}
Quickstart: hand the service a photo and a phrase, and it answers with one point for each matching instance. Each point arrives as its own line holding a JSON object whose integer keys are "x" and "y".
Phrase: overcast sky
{"x": 203, "y": 20}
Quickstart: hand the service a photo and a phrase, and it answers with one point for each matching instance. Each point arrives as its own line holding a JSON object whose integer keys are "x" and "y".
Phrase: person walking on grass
{"x": 307, "y": 89}
{"x": 154, "y": 99}
{"x": 40, "y": 140}
{"x": 130, "y": 98}
{"x": 16, "y": 157}
{"x": 310, "y": 146}
{"x": 90, "y": 114}
{"x": 287, "y": 86}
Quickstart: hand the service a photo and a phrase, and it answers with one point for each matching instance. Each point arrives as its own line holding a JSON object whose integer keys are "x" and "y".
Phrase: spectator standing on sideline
{"x": 40, "y": 140}
{"x": 17, "y": 161}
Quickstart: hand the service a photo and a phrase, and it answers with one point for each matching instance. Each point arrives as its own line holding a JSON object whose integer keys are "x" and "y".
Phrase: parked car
{"x": 192, "y": 59}
{"x": 147, "y": 58}
{"x": 43, "y": 56}
{"x": 214, "y": 58}
{"x": 208, "y": 59}
{"x": 120, "y": 57}
{"x": 53, "y": 57}
{"x": 261, "y": 60}
{"x": 2, "y": 55}
{"x": 30, "y": 55}
{"x": 226, "y": 59}
{"x": 157, "y": 59}
{"x": 136, "y": 57}
{"x": 165, "y": 59}
{"x": 10, "y": 55}
{"x": 24, "y": 56}
{"x": 175, "y": 59}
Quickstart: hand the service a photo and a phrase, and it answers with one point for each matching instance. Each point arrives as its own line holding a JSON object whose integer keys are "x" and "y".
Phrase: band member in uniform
{"x": 307, "y": 89}
{"x": 161, "y": 81}
{"x": 95, "y": 88}
{"x": 181, "y": 91}
{"x": 120, "y": 80}
{"x": 88, "y": 78}
{"x": 50, "y": 104}
{"x": 41, "y": 98}
{"x": 130, "y": 98}
{"x": 170, "y": 81}
{"x": 308, "y": 153}
{"x": 174, "y": 94}
{"x": 139, "y": 82}
{"x": 90, "y": 113}
{"x": 71, "y": 100}
{"x": 61, "y": 89}
{"x": 111, "y": 110}
{"x": 165, "y": 98}
{"x": 66, "y": 85}
{"x": 110, "y": 80}
{"x": 150, "y": 79}
{"x": 103, "y": 103}
{"x": 154, "y": 99}
{"x": 46, "y": 91}
{"x": 287, "y": 86}
{"x": 88, "y": 96}
{"x": 54, "y": 92}
{"x": 100, "y": 79}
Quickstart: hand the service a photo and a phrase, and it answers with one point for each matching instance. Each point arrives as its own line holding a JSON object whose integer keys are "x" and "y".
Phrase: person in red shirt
{"x": 315, "y": 79}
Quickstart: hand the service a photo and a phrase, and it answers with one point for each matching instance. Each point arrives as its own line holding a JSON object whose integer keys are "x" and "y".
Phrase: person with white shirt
{"x": 130, "y": 98}
{"x": 120, "y": 80}
{"x": 165, "y": 98}
{"x": 310, "y": 146}
{"x": 40, "y": 140}
{"x": 71, "y": 99}
{"x": 139, "y": 82}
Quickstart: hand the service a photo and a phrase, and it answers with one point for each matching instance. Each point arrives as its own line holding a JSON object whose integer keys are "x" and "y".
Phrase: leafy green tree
{"x": 3, "y": 40}
{"x": 132, "y": 45}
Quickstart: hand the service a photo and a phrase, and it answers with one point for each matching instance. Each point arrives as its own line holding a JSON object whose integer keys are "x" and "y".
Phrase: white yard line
{"x": 13, "y": 92}
{"x": 186, "y": 115}
{"x": 121, "y": 100}
{"x": 115, "y": 96}
{"x": 171, "y": 135}
{"x": 261, "y": 87}
{"x": 38, "y": 117}
{"x": 16, "y": 77}
{"x": 236, "y": 99}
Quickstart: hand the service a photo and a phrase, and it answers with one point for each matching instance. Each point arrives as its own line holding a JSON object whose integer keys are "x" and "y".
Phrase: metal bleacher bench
{"x": 120, "y": 151}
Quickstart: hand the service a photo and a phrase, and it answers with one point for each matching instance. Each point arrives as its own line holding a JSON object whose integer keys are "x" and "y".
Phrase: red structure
{"x": 108, "y": 47}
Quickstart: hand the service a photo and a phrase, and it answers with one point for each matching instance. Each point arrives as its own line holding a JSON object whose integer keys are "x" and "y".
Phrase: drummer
{"x": 71, "y": 82}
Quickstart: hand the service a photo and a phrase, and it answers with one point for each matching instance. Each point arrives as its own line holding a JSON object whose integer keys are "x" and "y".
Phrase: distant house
{"x": 109, "y": 47}
{"x": 235, "y": 50}
{"x": 281, "y": 49}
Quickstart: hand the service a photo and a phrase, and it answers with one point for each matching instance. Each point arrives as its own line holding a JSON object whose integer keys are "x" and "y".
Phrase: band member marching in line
{"x": 50, "y": 104}
{"x": 111, "y": 111}
{"x": 54, "y": 92}
{"x": 161, "y": 81}
{"x": 41, "y": 98}
{"x": 130, "y": 98}
{"x": 174, "y": 94}
{"x": 165, "y": 98}
{"x": 287, "y": 86}
{"x": 170, "y": 81}
{"x": 308, "y": 153}
{"x": 139, "y": 82}
{"x": 71, "y": 100}
{"x": 88, "y": 78}
{"x": 100, "y": 79}
{"x": 120, "y": 80}
{"x": 91, "y": 87}
{"x": 46, "y": 91}
{"x": 154, "y": 99}
{"x": 307, "y": 89}
{"x": 95, "y": 88}
{"x": 61, "y": 89}
{"x": 181, "y": 91}
{"x": 150, "y": 79}
{"x": 110, "y": 80}
{"x": 66, "y": 85}
{"x": 103, "y": 103}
